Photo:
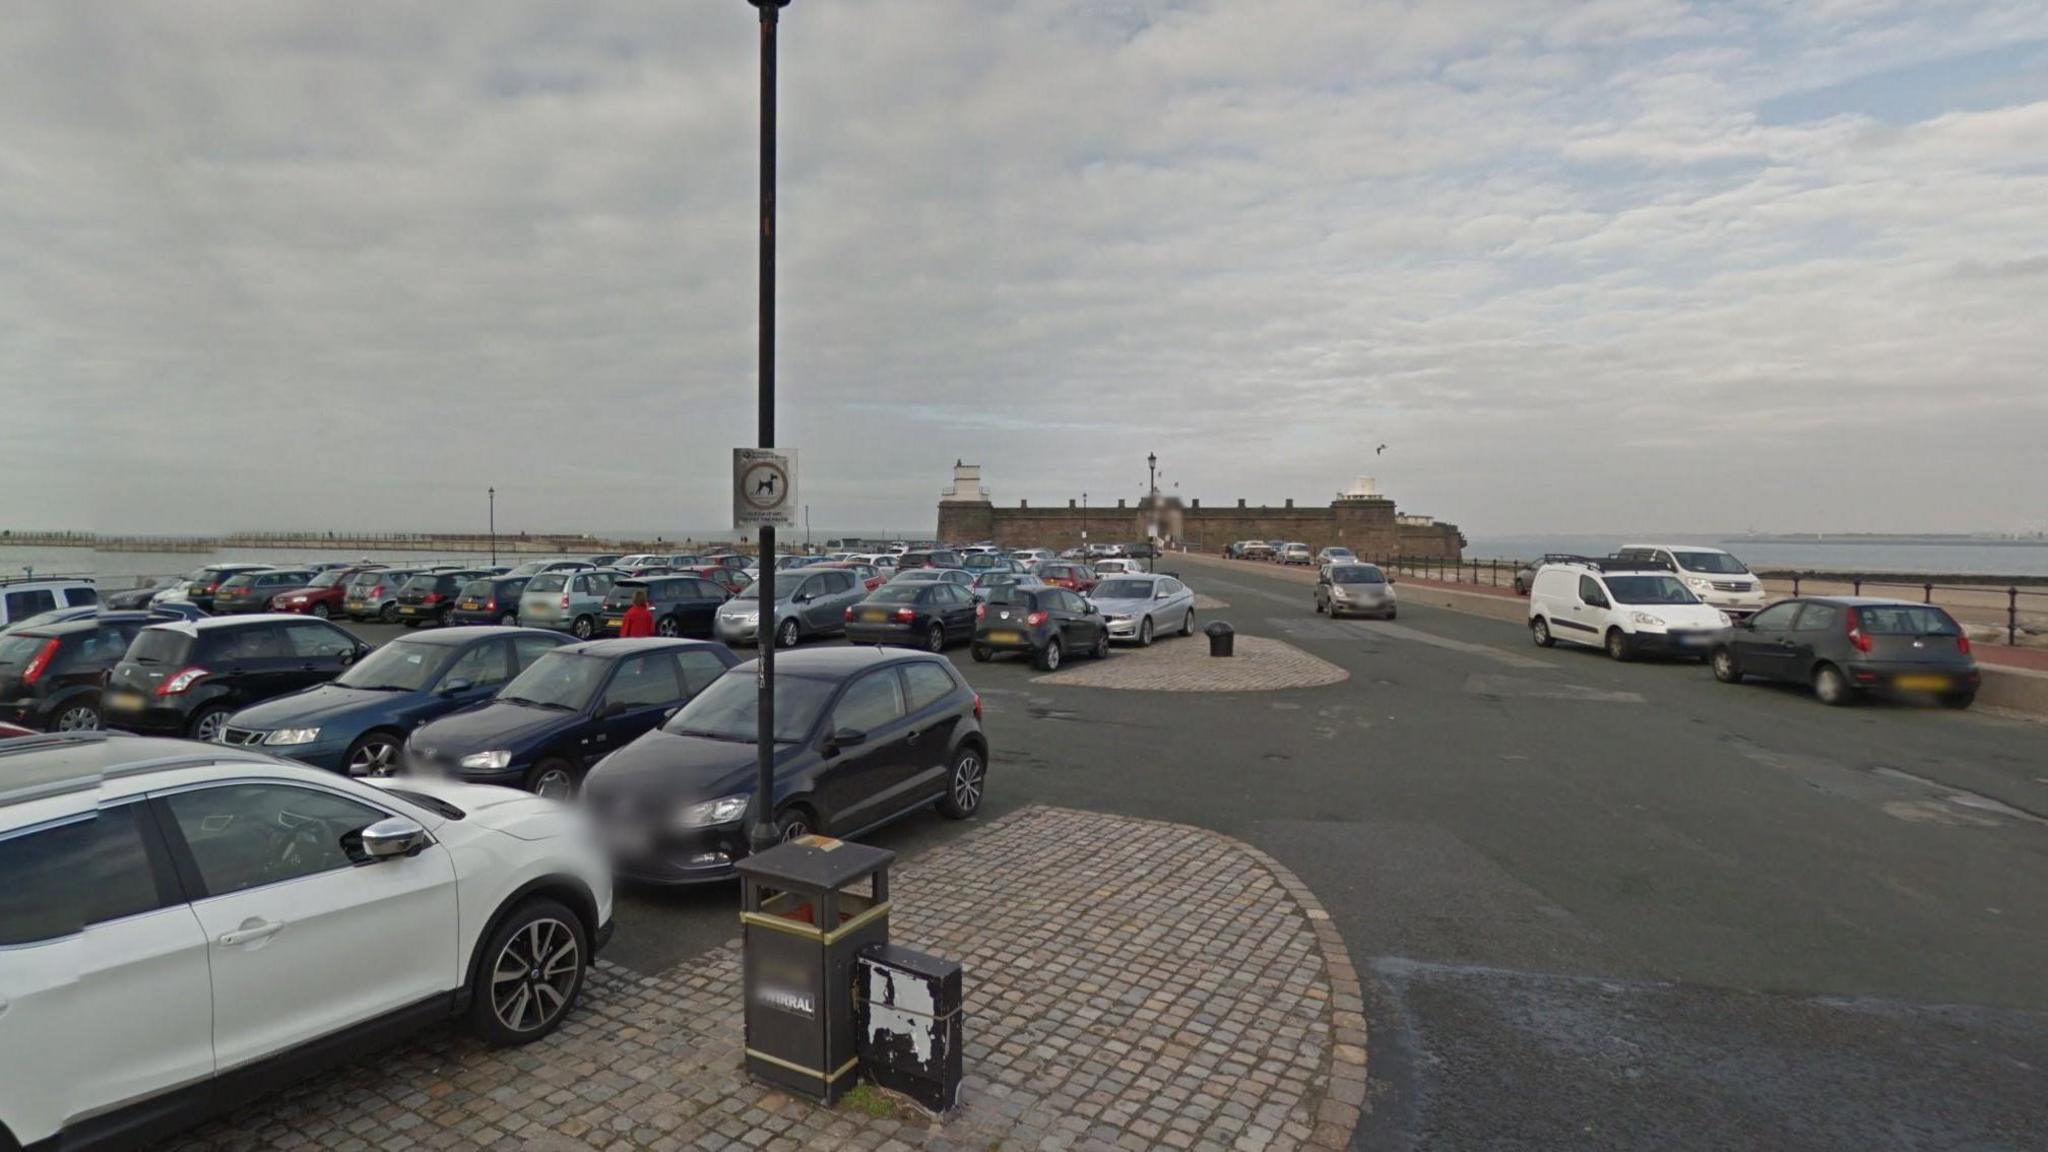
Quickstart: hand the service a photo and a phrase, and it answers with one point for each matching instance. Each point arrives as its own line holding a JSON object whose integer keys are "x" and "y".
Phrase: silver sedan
{"x": 1138, "y": 607}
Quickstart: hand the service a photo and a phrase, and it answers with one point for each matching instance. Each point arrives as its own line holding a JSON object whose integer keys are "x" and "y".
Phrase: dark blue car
{"x": 489, "y": 600}
{"x": 357, "y": 722}
{"x": 546, "y": 728}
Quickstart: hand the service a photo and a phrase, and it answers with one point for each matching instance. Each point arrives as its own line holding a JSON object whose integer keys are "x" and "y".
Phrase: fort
{"x": 1360, "y": 518}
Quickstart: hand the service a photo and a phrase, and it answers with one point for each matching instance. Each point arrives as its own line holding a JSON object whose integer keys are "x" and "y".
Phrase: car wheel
{"x": 554, "y": 778}
{"x": 375, "y": 754}
{"x": 981, "y": 654}
{"x": 1187, "y": 623}
{"x": 582, "y": 627}
{"x": 509, "y": 619}
{"x": 208, "y": 724}
{"x": 1101, "y": 649}
{"x": 1539, "y": 629}
{"x": 1832, "y": 687}
{"x": 935, "y": 640}
{"x": 1958, "y": 700}
{"x": 1319, "y": 606}
{"x": 1392, "y": 613}
{"x": 794, "y": 823}
{"x": 965, "y": 784}
{"x": 320, "y": 611}
{"x": 531, "y": 975}
{"x": 1617, "y": 645}
{"x": 1049, "y": 656}
{"x": 388, "y": 613}
{"x": 1145, "y": 632}
{"x": 77, "y": 718}
{"x": 787, "y": 635}
{"x": 1723, "y": 661}
{"x": 667, "y": 626}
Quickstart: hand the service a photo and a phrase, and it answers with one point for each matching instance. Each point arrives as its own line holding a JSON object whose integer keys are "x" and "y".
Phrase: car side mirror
{"x": 847, "y": 738}
{"x": 393, "y": 836}
{"x": 1088, "y": 609}
{"x": 611, "y": 708}
{"x": 456, "y": 685}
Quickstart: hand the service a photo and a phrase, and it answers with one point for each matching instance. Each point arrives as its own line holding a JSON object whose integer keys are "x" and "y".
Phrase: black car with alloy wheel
{"x": 489, "y": 600}
{"x": 429, "y": 598}
{"x": 927, "y": 615}
{"x": 51, "y": 675}
{"x": 1848, "y": 647}
{"x": 187, "y": 678}
{"x": 545, "y": 729}
{"x": 863, "y": 736}
{"x": 357, "y": 722}
{"x": 682, "y": 605}
{"x": 1048, "y": 623}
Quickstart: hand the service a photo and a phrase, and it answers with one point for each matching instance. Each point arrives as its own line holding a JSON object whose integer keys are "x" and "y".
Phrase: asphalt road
{"x": 1601, "y": 905}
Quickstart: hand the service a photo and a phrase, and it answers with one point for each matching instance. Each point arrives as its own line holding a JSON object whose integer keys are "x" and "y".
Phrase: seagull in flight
{"x": 1380, "y": 449}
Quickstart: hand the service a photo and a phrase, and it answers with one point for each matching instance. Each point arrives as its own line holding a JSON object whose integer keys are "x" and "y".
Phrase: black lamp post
{"x": 493, "y": 492}
{"x": 1152, "y": 466}
{"x": 763, "y": 833}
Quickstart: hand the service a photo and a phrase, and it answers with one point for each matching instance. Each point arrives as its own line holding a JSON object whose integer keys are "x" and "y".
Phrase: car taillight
{"x": 980, "y": 611}
{"x": 1036, "y": 618}
{"x": 906, "y": 615}
{"x": 377, "y": 593}
{"x": 432, "y": 598}
{"x": 490, "y": 605}
{"x": 977, "y": 705}
{"x": 180, "y": 680}
{"x": 1857, "y": 639}
{"x": 565, "y": 599}
{"x": 213, "y": 587}
{"x": 41, "y": 662}
{"x": 1962, "y": 644}
{"x": 849, "y": 613}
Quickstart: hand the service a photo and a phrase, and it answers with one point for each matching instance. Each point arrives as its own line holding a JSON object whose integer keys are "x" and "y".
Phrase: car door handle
{"x": 251, "y": 931}
{"x": 911, "y": 736}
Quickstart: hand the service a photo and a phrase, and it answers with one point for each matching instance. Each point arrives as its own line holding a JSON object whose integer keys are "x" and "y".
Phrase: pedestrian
{"x": 639, "y": 619}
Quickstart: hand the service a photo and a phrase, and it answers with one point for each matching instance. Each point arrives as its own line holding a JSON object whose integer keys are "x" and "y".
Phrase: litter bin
{"x": 910, "y": 1034}
{"x": 803, "y": 924}
{"x": 1222, "y": 639}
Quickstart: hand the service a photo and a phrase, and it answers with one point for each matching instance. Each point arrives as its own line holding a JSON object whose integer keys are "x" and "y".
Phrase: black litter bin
{"x": 803, "y": 928}
{"x": 1222, "y": 639}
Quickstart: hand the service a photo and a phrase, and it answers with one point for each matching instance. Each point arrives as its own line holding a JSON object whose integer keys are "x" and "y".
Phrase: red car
{"x": 10, "y": 731}
{"x": 324, "y": 597}
{"x": 869, "y": 575}
{"x": 732, "y": 579}
{"x": 1078, "y": 577}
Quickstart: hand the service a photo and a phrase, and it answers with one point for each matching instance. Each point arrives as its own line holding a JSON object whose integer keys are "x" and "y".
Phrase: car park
{"x": 51, "y": 676}
{"x": 1140, "y": 606}
{"x": 1328, "y": 556}
{"x": 324, "y": 596}
{"x": 1355, "y": 587}
{"x": 567, "y": 711}
{"x": 430, "y": 597}
{"x": 808, "y": 602}
{"x": 1525, "y": 576}
{"x": 200, "y": 586}
{"x": 1847, "y": 647}
{"x": 928, "y": 614}
{"x": 569, "y": 601}
{"x": 1716, "y": 577}
{"x": 1047, "y": 623}
{"x": 254, "y": 591}
{"x": 488, "y": 600}
{"x": 1629, "y": 608}
{"x": 184, "y": 926}
{"x": 1061, "y": 574}
{"x": 865, "y": 736}
{"x": 186, "y": 679}
{"x": 373, "y": 595}
{"x": 682, "y": 605}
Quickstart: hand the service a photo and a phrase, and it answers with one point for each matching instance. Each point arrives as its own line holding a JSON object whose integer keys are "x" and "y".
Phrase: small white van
{"x": 1713, "y": 575}
{"x": 1628, "y": 607}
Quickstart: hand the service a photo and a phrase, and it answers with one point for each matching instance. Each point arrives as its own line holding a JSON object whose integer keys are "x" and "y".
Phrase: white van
{"x": 1628, "y": 607}
{"x": 1713, "y": 575}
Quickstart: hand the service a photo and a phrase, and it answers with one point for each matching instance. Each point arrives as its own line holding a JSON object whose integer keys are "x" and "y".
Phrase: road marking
{"x": 1479, "y": 684}
{"x": 1316, "y": 628}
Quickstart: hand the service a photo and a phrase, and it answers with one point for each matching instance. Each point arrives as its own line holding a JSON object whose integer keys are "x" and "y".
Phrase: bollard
{"x": 2012, "y": 615}
{"x": 1858, "y": 585}
{"x": 1927, "y": 593}
{"x": 1795, "y": 585}
{"x": 1222, "y": 639}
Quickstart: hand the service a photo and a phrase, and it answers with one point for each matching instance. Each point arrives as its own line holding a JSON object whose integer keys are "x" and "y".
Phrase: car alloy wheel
{"x": 793, "y": 825}
{"x": 1145, "y": 632}
{"x": 582, "y": 628}
{"x": 320, "y": 611}
{"x": 1617, "y": 644}
{"x": 1050, "y": 659}
{"x": 209, "y": 726}
{"x": 980, "y": 653}
{"x": 534, "y": 975}
{"x": 787, "y": 635}
{"x": 1540, "y": 629}
{"x": 935, "y": 640}
{"x": 373, "y": 756}
{"x": 667, "y": 626}
{"x": 509, "y": 619}
{"x": 1724, "y": 667}
{"x": 964, "y": 789}
{"x": 1101, "y": 651}
{"x": 389, "y": 613}
{"x": 1187, "y": 623}
{"x": 1831, "y": 686}
{"x": 78, "y": 718}
{"x": 554, "y": 783}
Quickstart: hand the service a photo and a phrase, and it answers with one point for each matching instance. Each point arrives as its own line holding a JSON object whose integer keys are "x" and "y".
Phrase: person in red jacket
{"x": 639, "y": 619}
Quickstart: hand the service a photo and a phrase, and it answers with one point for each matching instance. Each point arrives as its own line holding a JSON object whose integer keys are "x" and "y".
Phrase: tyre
{"x": 965, "y": 784}
{"x": 935, "y": 638}
{"x": 207, "y": 724}
{"x": 1832, "y": 687}
{"x": 552, "y": 777}
{"x": 1725, "y": 669}
{"x": 668, "y": 626}
{"x": 532, "y": 972}
{"x": 582, "y": 627}
{"x": 1101, "y": 649}
{"x": 1145, "y": 632}
{"x": 1539, "y": 630}
{"x": 1319, "y": 606}
{"x": 509, "y": 619}
{"x": 788, "y": 634}
{"x": 1048, "y": 657}
{"x": 1393, "y": 613}
{"x": 1618, "y": 646}
{"x": 794, "y": 823}
{"x": 1187, "y": 623}
{"x": 980, "y": 653}
{"x": 373, "y": 754}
{"x": 320, "y": 611}
{"x": 388, "y": 614}
{"x": 77, "y": 716}
{"x": 1959, "y": 700}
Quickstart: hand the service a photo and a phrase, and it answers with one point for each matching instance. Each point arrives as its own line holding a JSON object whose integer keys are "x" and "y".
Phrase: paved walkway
{"x": 1130, "y": 985}
{"x": 1183, "y": 664}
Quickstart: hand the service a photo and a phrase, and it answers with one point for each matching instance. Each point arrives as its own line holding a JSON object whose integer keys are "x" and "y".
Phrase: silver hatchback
{"x": 571, "y": 601}
{"x": 1360, "y": 588}
{"x": 808, "y": 602}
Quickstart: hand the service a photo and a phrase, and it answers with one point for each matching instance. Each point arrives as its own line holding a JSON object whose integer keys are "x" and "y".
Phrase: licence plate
{"x": 614, "y": 624}
{"x": 469, "y": 605}
{"x": 1921, "y": 683}
{"x": 1697, "y": 640}
{"x": 874, "y": 615}
{"x": 125, "y": 701}
{"x": 1006, "y": 637}
{"x": 408, "y": 611}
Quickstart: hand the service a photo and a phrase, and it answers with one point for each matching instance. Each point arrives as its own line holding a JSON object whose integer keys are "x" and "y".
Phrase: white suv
{"x": 1713, "y": 575}
{"x": 23, "y": 598}
{"x": 182, "y": 925}
{"x": 1627, "y": 607}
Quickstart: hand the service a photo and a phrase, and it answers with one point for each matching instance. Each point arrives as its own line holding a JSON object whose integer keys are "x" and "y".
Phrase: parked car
{"x": 1139, "y": 607}
{"x": 1629, "y": 608}
{"x": 928, "y": 614}
{"x": 488, "y": 600}
{"x": 1256, "y": 550}
{"x": 254, "y": 591}
{"x": 808, "y": 602}
{"x": 51, "y": 675}
{"x": 1525, "y": 577}
{"x": 1714, "y": 576}
{"x": 1030, "y": 556}
{"x": 357, "y": 722}
{"x": 186, "y": 679}
{"x": 733, "y": 580}
{"x": 1107, "y": 568}
{"x": 324, "y": 596}
{"x": 603, "y": 559}
{"x": 567, "y": 601}
{"x": 682, "y": 605}
{"x": 1048, "y": 623}
{"x": 374, "y": 594}
{"x": 1297, "y": 553}
{"x": 873, "y": 734}
{"x": 1142, "y": 551}
{"x": 870, "y": 576}
{"x": 933, "y": 558}
{"x": 1061, "y": 574}
{"x": 978, "y": 562}
{"x": 534, "y": 568}
{"x": 1328, "y": 556}
{"x": 960, "y": 576}
{"x": 571, "y": 708}
{"x": 53, "y": 616}
{"x": 1847, "y": 647}
{"x": 138, "y": 598}
{"x": 991, "y": 580}
{"x": 200, "y": 586}
{"x": 1354, "y": 587}
{"x": 23, "y": 597}
{"x": 883, "y": 562}
{"x": 185, "y": 926}
{"x": 430, "y": 597}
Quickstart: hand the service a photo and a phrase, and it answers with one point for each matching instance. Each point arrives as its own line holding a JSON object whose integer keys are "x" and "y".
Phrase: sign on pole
{"x": 763, "y": 488}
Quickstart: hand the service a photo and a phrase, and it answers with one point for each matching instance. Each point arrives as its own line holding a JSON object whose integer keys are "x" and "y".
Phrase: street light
{"x": 762, "y": 836}
{"x": 1152, "y": 529}
{"x": 494, "y": 525}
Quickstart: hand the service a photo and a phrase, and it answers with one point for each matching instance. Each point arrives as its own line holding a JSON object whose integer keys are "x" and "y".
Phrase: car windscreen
{"x": 400, "y": 666}
{"x": 1906, "y": 620}
{"x": 366, "y": 579}
{"x": 917, "y": 576}
{"x": 729, "y": 709}
{"x": 1123, "y": 590}
{"x": 329, "y": 578}
{"x": 160, "y": 646}
{"x": 243, "y": 581}
{"x": 424, "y": 582}
{"x": 477, "y": 590}
{"x": 564, "y": 681}
{"x": 548, "y": 582}
{"x": 1649, "y": 590}
{"x": 1360, "y": 574}
{"x": 1010, "y": 594}
{"x": 1718, "y": 563}
{"x": 896, "y": 594}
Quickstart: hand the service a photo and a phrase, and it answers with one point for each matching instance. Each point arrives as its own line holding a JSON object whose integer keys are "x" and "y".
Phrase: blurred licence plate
{"x": 408, "y": 611}
{"x": 610, "y": 623}
{"x": 1921, "y": 683}
{"x": 125, "y": 700}
{"x": 874, "y": 615}
{"x": 469, "y": 605}
{"x": 1005, "y": 637}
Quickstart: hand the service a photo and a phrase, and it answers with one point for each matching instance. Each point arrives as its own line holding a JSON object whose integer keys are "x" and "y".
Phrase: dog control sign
{"x": 763, "y": 488}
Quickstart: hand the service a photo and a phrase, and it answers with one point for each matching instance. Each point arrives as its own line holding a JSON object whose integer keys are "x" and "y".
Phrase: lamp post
{"x": 763, "y": 835}
{"x": 493, "y": 492}
{"x": 1152, "y": 510}
{"x": 1084, "y": 525}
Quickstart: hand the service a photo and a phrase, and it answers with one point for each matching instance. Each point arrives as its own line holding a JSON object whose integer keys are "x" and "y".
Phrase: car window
{"x": 705, "y": 590}
{"x": 842, "y": 581}
{"x": 260, "y": 643}
{"x": 928, "y": 683}
{"x": 699, "y": 669}
{"x": 644, "y": 680}
{"x": 528, "y": 647}
{"x": 580, "y": 585}
{"x": 1589, "y": 591}
{"x": 79, "y": 596}
{"x": 1777, "y": 615}
{"x": 29, "y": 601}
{"x": 482, "y": 665}
{"x": 871, "y": 702}
{"x": 70, "y": 876}
{"x": 318, "y": 641}
{"x": 245, "y": 836}
{"x": 1819, "y": 618}
{"x": 1906, "y": 620}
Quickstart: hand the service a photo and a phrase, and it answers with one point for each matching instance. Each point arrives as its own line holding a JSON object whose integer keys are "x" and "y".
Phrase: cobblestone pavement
{"x": 1175, "y": 664}
{"x": 1130, "y": 985}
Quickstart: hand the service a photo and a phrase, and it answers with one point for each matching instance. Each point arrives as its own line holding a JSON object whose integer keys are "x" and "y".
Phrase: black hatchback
{"x": 186, "y": 679}
{"x": 1048, "y": 623}
{"x": 50, "y": 677}
{"x": 863, "y": 736}
{"x": 429, "y": 598}
{"x": 489, "y": 600}
{"x": 1850, "y": 646}
{"x": 928, "y": 615}
{"x": 682, "y": 605}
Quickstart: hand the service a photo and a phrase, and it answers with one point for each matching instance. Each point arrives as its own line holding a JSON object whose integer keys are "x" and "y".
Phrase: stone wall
{"x": 1366, "y": 526}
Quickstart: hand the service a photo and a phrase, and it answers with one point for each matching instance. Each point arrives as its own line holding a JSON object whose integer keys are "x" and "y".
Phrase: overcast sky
{"x": 1607, "y": 266}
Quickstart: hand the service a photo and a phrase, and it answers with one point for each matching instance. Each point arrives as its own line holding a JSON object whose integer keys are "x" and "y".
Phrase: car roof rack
{"x": 60, "y": 578}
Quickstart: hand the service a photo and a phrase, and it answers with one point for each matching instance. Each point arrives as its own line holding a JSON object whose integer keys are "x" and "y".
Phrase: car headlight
{"x": 1647, "y": 620}
{"x": 723, "y": 810}
{"x": 1727, "y": 621}
{"x": 292, "y": 736}
{"x": 493, "y": 760}
{"x": 1699, "y": 582}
